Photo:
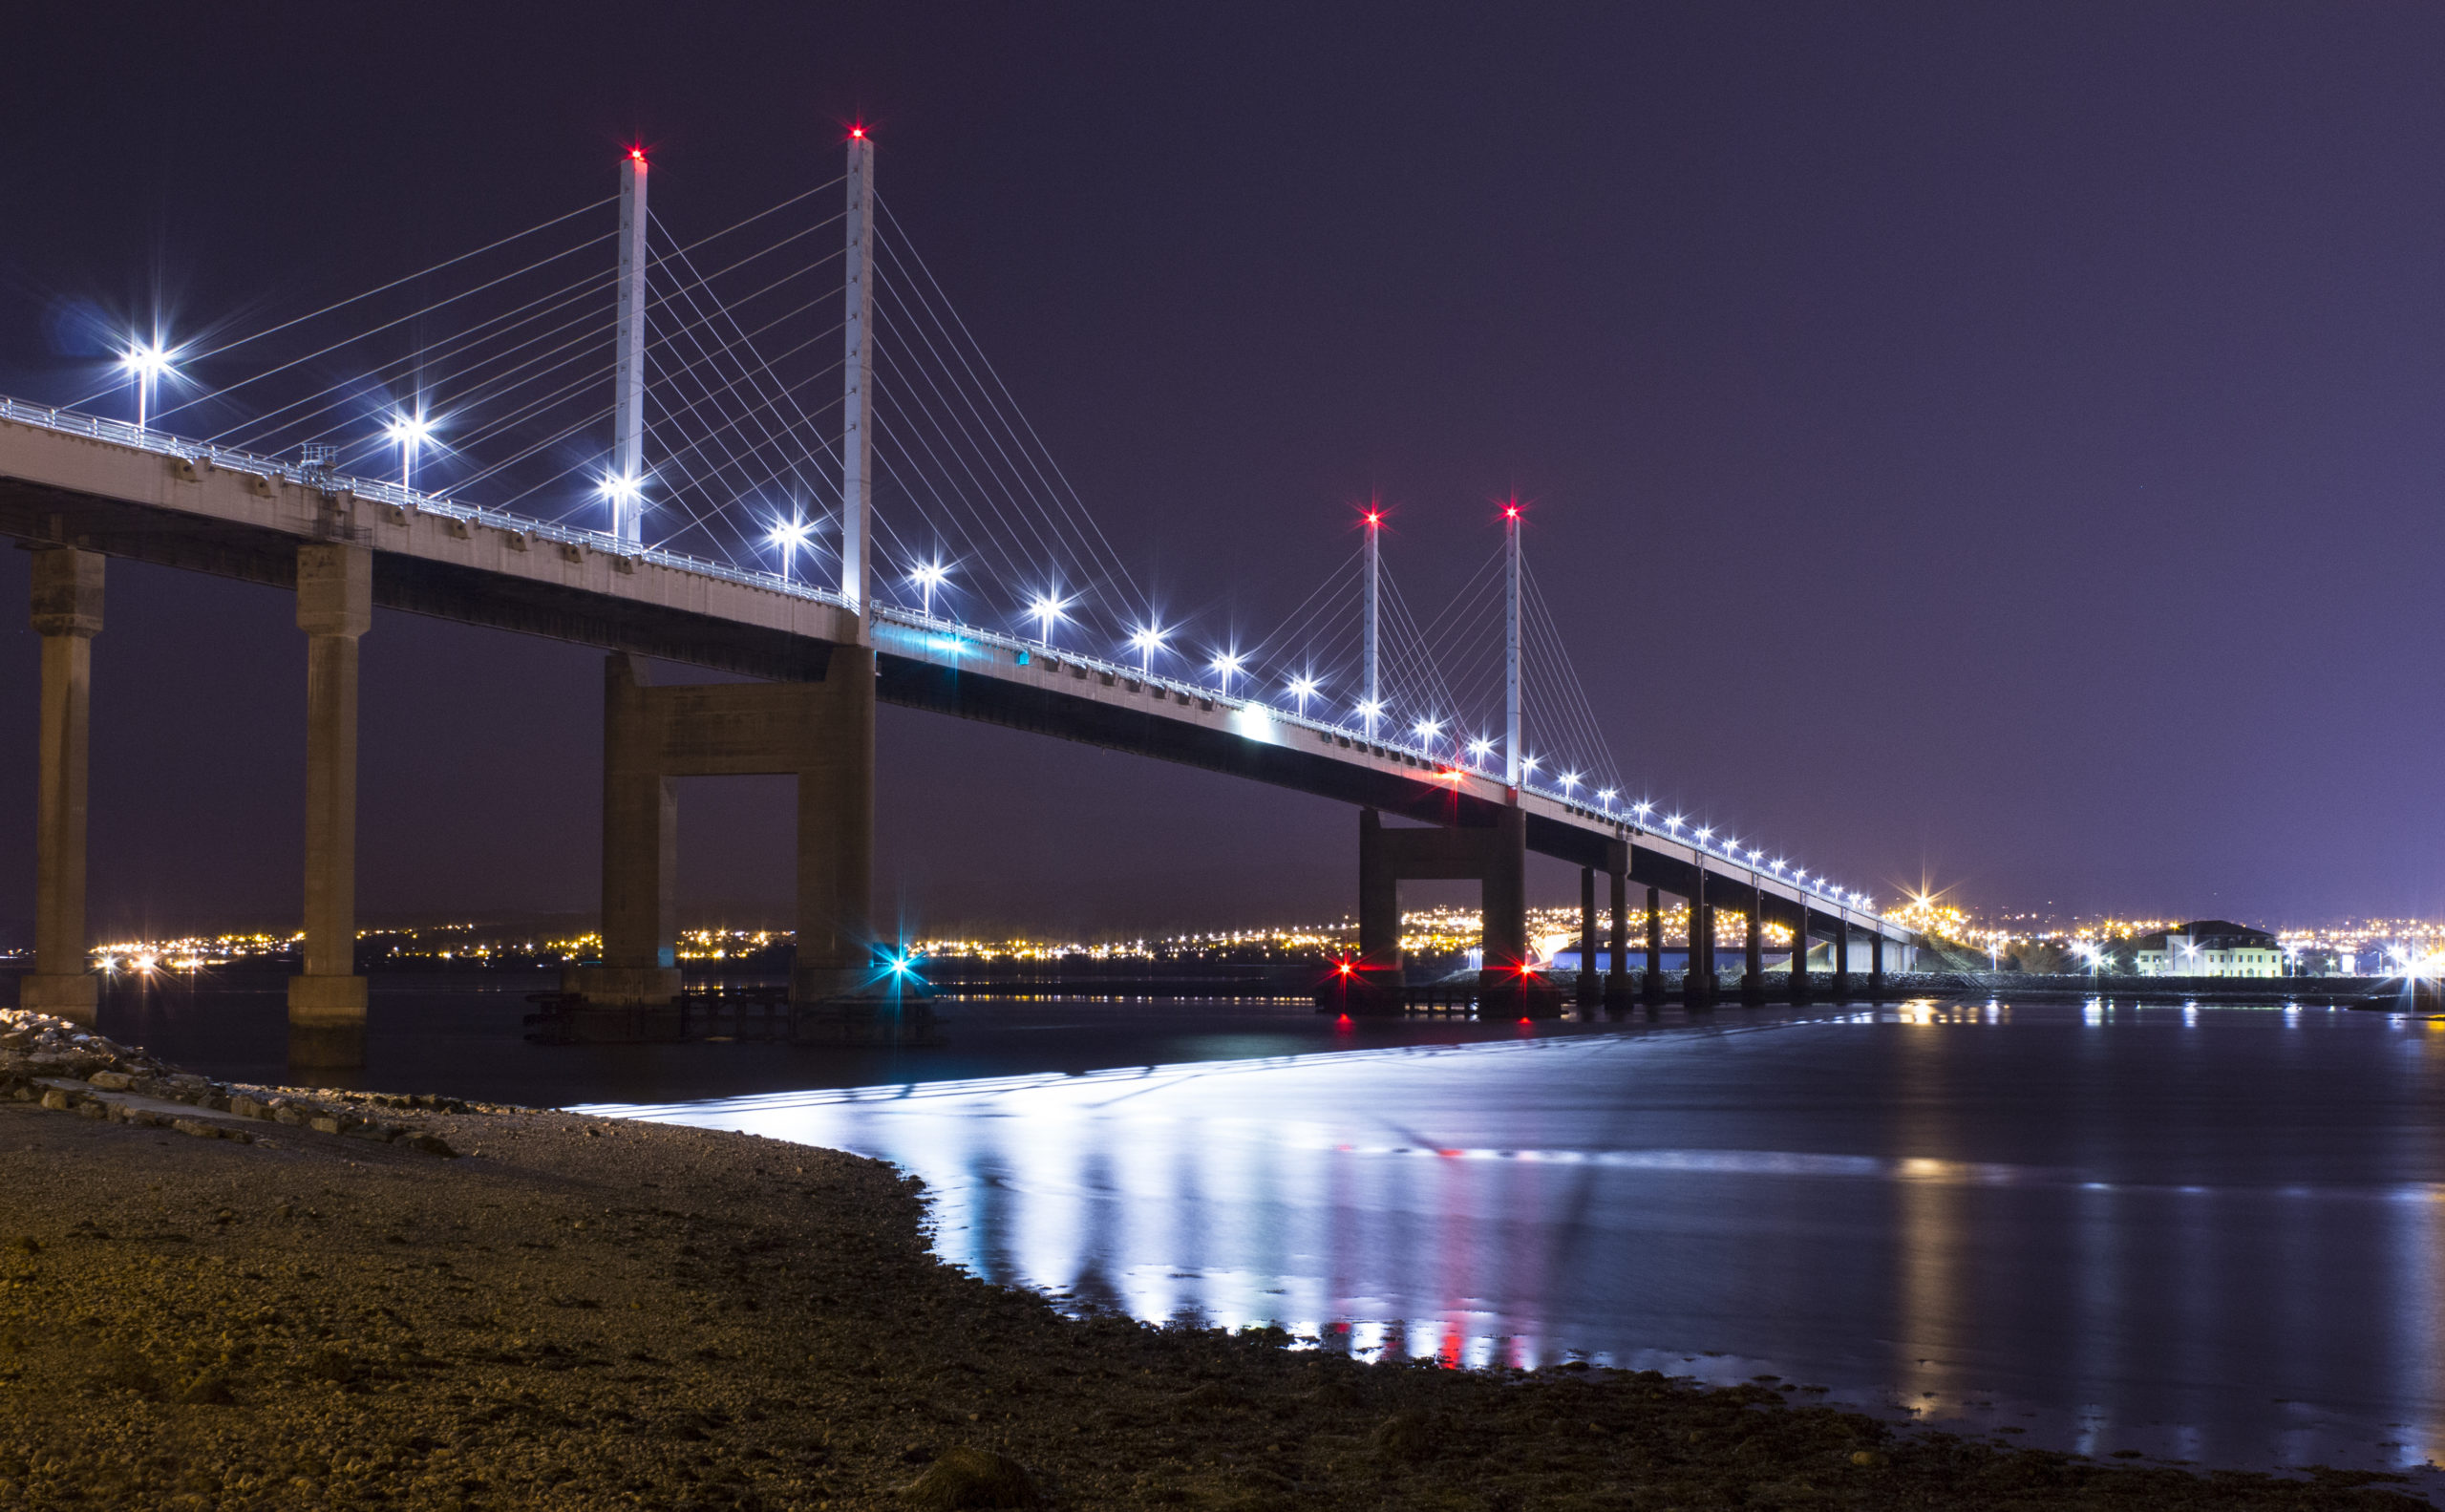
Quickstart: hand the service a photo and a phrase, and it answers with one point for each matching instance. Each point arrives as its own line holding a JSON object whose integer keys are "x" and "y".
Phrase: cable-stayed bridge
{"x": 595, "y": 431}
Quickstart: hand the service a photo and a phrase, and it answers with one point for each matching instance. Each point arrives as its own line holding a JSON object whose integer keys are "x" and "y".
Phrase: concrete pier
{"x": 1842, "y": 957}
{"x": 334, "y": 608}
{"x": 1799, "y": 983}
{"x": 1753, "y": 968}
{"x": 1651, "y": 983}
{"x": 821, "y": 732}
{"x": 1876, "y": 964}
{"x": 1590, "y": 993}
{"x": 67, "y": 614}
{"x": 1698, "y": 981}
{"x": 1494, "y": 857}
{"x": 1617, "y": 975}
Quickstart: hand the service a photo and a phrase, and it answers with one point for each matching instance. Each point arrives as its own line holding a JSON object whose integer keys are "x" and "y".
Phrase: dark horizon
{"x": 2073, "y": 372}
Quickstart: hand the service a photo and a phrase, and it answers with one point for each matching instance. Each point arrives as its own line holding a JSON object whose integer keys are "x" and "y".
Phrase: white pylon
{"x": 624, "y": 487}
{"x": 858, "y": 380}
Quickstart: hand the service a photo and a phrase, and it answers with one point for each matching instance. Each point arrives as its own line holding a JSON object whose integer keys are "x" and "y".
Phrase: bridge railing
{"x": 73, "y": 423}
{"x": 230, "y": 458}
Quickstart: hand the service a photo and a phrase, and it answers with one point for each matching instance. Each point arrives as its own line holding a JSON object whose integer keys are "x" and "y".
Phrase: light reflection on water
{"x": 2203, "y": 1233}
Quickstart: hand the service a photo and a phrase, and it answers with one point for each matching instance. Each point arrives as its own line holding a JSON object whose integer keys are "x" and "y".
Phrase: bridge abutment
{"x": 1753, "y": 966}
{"x": 1799, "y": 983}
{"x": 1698, "y": 979}
{"x": 67, "y": 614}
{"x": 1842, "y": 957}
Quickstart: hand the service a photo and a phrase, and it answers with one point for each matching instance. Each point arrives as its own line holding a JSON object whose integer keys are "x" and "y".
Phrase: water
{"x": 2204, "y": 1234}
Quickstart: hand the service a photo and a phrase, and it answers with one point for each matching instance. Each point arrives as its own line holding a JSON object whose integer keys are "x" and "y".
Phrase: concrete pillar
{"x": 1588, "y": 994}
{"x": 1799, "y": 957}
{"x": 1876, "y": 964}
{"x": 67, "y": 614}
{"x": 1752, "y": 969}
{"x": 640, "y": 848}
{"x": 1653, "y": 987}
{"x": 1698, "y": 982}
{"x": 1503, "y": 979}
{"x": 1842, "y": 957}
{"x": 836, "y": 954}
{"x": 1617, "y": 974}
{"x": 334, "y": 608}
{"x": 1381, "y": 985}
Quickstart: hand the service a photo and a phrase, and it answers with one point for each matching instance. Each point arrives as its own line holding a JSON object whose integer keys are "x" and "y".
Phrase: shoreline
{"x": 541, "y": 1309}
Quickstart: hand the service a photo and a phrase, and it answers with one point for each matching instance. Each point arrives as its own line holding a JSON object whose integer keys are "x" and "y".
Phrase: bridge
{"x": 666, "y": 548}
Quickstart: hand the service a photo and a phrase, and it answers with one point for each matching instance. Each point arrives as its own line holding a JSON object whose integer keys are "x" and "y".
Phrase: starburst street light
{"x": 927, "y": 578}
{"x": 791, "y": 535}
{"x": 1146, "y": 642}
{"x": 1303, "y": 688}
{"x": 1426, "y": 729}
{"x": 1641, "y": 809}
{"x": 1673, "y": 824}
{"x": 1570, "y": 782}
{"x": 1045, "y": 608}
{"x": 1228, "y": 664}
{"x": 1604, "y": 795}
{"x": 1371, "y": 711}
{"x": 146, "y": 363}
{"x": 625, "y": 493}
{"x": 1479, "y": 749}
{"x": 408, "y": 432}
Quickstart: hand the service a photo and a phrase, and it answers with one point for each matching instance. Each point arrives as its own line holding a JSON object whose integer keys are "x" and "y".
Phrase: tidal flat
{"x": 422, "y": 1304}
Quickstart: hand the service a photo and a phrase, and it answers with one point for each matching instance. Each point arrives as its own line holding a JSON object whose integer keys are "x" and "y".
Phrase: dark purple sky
{"x": 1992, "y": 444}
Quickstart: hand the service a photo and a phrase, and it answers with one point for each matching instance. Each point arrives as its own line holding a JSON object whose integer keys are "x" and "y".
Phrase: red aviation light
{"x": 636, "y": 155}
{"x": 857, "y": 134}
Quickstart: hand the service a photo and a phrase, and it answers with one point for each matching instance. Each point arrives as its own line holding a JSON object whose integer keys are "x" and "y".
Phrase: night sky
{"x": 1996, "y": 446}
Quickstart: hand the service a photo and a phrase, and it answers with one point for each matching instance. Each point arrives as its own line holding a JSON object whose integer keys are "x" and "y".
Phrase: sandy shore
{"x": 568, "y": 1312}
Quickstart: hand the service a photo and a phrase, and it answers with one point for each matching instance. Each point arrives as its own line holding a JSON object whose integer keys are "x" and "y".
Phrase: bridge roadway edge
{"x": 144, "y": 507}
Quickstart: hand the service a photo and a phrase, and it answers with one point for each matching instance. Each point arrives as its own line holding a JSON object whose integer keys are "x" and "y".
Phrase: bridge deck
{"x": 74, "y": 480}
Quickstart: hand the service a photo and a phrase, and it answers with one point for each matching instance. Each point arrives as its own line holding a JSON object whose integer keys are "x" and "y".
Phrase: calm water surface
{"x": 2207, "y": 1234}
{"x": 2202, "y": 1233}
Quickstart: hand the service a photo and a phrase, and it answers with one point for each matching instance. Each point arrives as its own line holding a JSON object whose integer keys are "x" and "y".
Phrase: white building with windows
{"x": 2210, "y": 948}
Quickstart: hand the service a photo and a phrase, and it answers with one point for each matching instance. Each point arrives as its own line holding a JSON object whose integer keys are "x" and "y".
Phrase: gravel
{"x": 305, "y": 1298}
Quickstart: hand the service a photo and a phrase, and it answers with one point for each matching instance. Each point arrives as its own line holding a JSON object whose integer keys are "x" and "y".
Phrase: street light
{"x": 1147, "y": 641}
{"x": 1045, "y": 608}
{"x": 1426, "y": 729}
{"x": 1303, "y": 688}
{"x": 1370, "y": 709}
{"x": 408, "y": 432}
{"x": 927, "y": 579}
{"x": 1481, "y": 748}
{"x": 146, "y": 362}
{"x": 627, "y": 493}
{"x": 1228, "y": 664}
{"x": 790, "y": 535}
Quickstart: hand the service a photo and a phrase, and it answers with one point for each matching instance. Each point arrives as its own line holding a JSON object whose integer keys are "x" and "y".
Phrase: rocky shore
{"x": 217, "y": 1296}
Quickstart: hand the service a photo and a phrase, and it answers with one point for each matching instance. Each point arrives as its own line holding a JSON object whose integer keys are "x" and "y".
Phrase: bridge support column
{"x": 1799, "y": 957}
{"x": 67, "y": 614}
{"x": 334, "y": 608}
{"x": 1617, "y": 973}
{"x": 1698, "y": 981}
{"x": 1504, "y": 981}
{"x": 1590, "y": 996}
{"x": 1842, "y": 957}
{"x": 1380, "y": 984}
{"x": 1876, "y": 964}
{"x": 837, "y": 835}
{"x": 819, "y": 731}
{"x": 1752, "y": 967}
{"x": 1651, "y": 980}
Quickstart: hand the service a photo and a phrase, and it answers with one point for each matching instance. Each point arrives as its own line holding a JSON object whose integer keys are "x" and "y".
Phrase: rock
{"x": 378, "y": 1133}
{"x": 247, "y": 1107}
{"x": 197, "y": 1127}
{"x": 1868, "y": 1458}
{"x": 433, "y": 1144}
{"x": 327, "y": 1124}
{"x": 211, "y": 1388}
{"x": 968, "y": 1477}
{"x": 111, "y": 1080}
{"x": 57, "y": 1100}
{"x": 292, "y": 1113}
{"x": 93, "y": 1109}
